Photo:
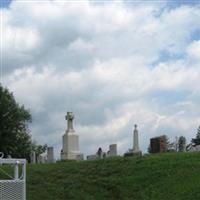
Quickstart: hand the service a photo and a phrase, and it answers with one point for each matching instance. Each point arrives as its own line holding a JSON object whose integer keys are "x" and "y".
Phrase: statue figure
{"x": 69, "y": 117}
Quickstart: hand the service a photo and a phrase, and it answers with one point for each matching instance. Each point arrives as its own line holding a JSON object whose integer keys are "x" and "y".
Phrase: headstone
{"x": 100, "y": 153}
{"x": 184, "y": 147}
{"x": 50, "y": 155}
{"x": 104, "y": 154}
{"x": 33, "y": 157}
{"x": 80, "y": 157}
{"x": 113, "y": 150}
{"x": 92, "y": 157}
{"x": 41, "y": 159}
{"x": 70, "y": 149}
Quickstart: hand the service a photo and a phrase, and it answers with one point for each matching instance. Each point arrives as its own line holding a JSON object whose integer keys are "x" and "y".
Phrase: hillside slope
{"x": 157, "y": 177}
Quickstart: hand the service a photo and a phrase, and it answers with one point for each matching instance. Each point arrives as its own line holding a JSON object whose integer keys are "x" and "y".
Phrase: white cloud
{"x": 194, "y": 51}
{"x": 111, "y": 64}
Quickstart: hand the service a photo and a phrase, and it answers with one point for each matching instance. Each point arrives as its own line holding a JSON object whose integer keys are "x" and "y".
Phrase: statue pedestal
{"x": 132, "y": 153}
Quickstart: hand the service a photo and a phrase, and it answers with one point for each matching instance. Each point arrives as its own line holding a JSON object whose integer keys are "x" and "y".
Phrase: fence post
{"x": 17, "y": 170}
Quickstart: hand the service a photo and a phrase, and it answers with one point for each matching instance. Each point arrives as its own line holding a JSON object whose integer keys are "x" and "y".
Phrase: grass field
{"x": 163, "y": 177}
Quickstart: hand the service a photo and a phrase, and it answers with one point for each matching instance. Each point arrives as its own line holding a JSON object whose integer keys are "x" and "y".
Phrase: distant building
{"x": 158, "y": 144}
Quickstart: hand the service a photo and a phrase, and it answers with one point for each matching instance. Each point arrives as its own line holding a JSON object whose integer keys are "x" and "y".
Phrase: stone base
{"x": 131, "y": 153}
{"x": 71, "y": 156}
{"x": 92, "y": 157}
{"x": 80, "y": 157}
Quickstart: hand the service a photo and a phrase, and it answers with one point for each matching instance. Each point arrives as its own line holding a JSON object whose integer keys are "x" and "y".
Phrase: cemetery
{"x": 132, "y": 176}
{"x": 70, "y": 147}
{"x": 99, "y": 100}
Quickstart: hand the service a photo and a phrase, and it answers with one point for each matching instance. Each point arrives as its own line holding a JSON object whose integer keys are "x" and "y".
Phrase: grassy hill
{"x": 167, "y": 176}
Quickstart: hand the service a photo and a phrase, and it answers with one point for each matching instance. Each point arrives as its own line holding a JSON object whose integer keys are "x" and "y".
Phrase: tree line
{"x": 16, "y": 141}
{"x": 180, "y": 144}
{"x": 15, "y": 138}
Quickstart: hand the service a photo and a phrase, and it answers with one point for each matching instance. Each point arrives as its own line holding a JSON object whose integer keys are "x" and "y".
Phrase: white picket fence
{"x": 14, "y": 186}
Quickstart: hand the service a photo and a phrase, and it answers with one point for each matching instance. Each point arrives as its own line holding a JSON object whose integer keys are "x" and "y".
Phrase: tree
{"x": 173, "y": 146}
{"x": 196, "y": 141}
{"x": 38, "y": 149}
{"x": 15, "y": 139}
{"x": 182, "y": 144}
{"x": 170, "y": 146}
{"x": 149, "y": 149}
{"x": 167, "y": 142}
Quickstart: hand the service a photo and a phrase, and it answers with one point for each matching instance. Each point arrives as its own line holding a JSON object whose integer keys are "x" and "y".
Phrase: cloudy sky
{"x": 113, "y": 64}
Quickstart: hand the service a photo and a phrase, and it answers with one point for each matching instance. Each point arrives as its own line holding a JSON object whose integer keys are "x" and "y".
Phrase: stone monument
{"x": 135, "y": 139}
{"x": 33, "y": 157}
{"x": 158, "y": 144}
{"x": 113, "y": 150}
{"x": 136, "y": 149}
{"x": 42, "y": 158}
{"x": 50, "y": 155}
{"x": 70, "y": 145}
{"x": 92, "y": 157}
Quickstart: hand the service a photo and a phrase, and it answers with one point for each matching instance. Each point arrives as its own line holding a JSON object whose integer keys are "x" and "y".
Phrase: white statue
{"x": 70, "y": 150}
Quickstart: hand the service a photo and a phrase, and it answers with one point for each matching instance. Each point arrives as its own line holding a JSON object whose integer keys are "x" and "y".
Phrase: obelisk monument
{"x": 136, "y": 148}
{"x": 70, "y": 149}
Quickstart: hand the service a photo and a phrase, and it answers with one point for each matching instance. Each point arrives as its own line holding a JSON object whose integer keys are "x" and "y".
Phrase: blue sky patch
{"x": 5, "y": 3}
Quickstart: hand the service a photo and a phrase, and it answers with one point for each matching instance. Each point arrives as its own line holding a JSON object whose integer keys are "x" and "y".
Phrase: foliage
{"x": 182, "y": 144}
{"x": 196, "y": 141}
{"x": 14, "y": 134}
{"x": 168, "y": 144}
{"x": 39, "y": 149}
{"x": 155, "y": 177}
{"x": 171, "y": 146}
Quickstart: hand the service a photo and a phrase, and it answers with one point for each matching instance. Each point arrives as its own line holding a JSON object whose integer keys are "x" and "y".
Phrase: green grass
{"x": 157, "y": 177}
